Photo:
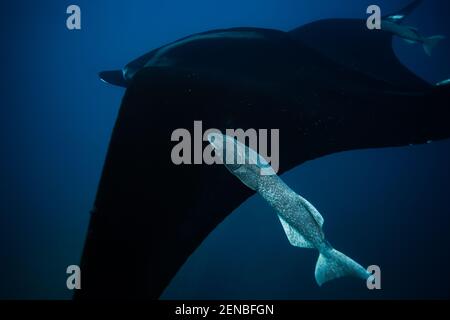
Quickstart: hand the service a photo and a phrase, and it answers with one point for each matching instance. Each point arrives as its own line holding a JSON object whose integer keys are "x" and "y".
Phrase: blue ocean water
{"x": 387, "y": 207}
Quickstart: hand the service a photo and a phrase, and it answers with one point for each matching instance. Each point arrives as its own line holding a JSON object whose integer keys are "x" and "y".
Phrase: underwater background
{"x": 388, "y": 207}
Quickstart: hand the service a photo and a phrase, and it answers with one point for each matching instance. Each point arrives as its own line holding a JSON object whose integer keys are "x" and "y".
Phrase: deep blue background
{"x": 387, "y": 207}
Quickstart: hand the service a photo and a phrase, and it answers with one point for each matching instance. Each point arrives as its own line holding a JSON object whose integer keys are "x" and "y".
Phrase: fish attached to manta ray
{"x": 301, "y": 221}
{"x": 393, "y": 23}
{"x": 330, "y": 86}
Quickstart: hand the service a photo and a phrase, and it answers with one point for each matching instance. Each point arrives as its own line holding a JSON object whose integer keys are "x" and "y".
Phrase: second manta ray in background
{"x": 301, "y": 222}
{"x": 331, "y": 86}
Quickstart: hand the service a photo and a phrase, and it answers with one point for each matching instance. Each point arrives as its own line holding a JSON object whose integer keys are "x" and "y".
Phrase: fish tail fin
{"x": 430, "y": 42}
{"x": 333, "y": 264}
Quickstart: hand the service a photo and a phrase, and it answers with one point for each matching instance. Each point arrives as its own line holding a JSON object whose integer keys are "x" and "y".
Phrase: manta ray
{"x": 329, "y": 86}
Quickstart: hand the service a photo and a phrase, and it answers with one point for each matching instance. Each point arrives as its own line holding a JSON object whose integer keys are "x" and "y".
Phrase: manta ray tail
{"x": 430, "y": 42}
{"x": 333, "y": 264}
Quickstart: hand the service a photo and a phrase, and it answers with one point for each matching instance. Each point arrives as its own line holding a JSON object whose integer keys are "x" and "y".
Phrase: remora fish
{"x": 329, "y": 86}
{"x": 393, "y": 24}
{"x": 301, "y": 222}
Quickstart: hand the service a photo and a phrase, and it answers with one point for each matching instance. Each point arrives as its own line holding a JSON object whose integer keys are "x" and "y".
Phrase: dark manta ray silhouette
{"x": 341, "y": 91}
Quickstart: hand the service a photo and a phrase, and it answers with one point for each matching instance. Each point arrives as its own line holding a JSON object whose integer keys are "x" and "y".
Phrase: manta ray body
{"x": 329, "y": 86}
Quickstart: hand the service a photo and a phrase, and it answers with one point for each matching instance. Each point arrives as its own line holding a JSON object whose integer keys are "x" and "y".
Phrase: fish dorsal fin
{"x": 294, "y": 237}
{"x": 400, "y": 15}
{"x": 350, "y": 43}
{"x": 313, "y": 211}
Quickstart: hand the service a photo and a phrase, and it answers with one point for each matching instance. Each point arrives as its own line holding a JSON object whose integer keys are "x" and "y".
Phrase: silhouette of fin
{"x": 114, "y": 77}
{"x": 350, "y": 43}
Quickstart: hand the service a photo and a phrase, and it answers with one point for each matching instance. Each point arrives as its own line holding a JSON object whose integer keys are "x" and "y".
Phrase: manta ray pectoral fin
{"x": 114, "y": 77}
{"x": 294, "y": 237}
